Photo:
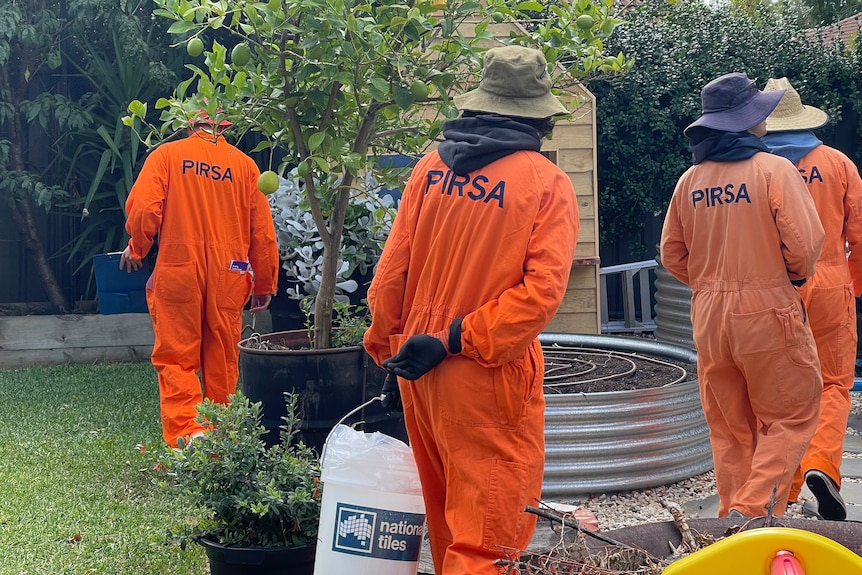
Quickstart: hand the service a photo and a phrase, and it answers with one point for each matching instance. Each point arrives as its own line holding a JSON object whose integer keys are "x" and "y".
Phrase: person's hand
{"x": 391, "y": 395}
{"x": 420, "y": 354}
{"x": 260, "y": 302}
{"x": 128, "y": 262}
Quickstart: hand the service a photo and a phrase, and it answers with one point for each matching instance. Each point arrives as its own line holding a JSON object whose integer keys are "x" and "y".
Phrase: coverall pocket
{"x": 773, "y": 330}
{"x": 177, "y": 283}
{"x": 507, "y": 492}
{"x": 766, "y": 330}
{"x": 831, "y": 311}
{"x": 477, "y": 396}
{"x": 234, "y": 289}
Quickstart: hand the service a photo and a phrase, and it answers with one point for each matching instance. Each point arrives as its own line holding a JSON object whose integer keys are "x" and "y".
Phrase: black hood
{"x": 474, "y": 142}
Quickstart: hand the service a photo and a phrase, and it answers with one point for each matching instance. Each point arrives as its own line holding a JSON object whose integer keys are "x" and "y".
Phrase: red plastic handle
{"x": 785, "y": 563}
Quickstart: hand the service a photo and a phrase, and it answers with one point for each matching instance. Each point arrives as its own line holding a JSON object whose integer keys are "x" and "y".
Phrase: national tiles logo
{"x": 354, "y": 529}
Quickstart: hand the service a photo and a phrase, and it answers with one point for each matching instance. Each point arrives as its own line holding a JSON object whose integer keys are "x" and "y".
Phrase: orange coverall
{"x": 495, "y": 248}
{"x": 836, "y": 188}
{"x": 214, "y": 227}
{"x": 737, "y": 232}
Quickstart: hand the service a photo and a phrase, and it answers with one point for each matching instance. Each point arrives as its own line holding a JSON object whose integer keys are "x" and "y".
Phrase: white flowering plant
{"x": 366, "y": 227}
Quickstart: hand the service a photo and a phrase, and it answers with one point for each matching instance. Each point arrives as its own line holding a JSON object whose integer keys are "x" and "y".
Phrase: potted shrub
{"x": 334, "y": 85}
{"x": 261, "y": 504}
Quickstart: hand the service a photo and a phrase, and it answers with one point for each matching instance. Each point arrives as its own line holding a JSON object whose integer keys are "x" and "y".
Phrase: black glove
{"x": 420, "y": 354}
{"x": 391, "y": 394}
{"x": 423, "y": 352}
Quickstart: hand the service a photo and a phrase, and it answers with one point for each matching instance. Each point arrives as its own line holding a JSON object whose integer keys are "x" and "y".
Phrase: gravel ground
{"x": 623, "y": 509}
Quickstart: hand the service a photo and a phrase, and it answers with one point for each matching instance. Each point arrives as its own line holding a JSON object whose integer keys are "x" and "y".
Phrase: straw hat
{"x": 791, "y": 114}
{"x": 515, "y": 82}
{"x": 732, "y": 103}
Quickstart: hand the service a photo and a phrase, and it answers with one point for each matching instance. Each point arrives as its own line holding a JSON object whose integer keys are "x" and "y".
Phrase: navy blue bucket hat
{"x": 732, "y": 103}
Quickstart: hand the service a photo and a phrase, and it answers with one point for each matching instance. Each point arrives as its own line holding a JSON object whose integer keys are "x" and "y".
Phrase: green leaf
{"x": 180, "y": 27}
{"x": 315, "y": 140}
{"x": 138, "y": 108}
{"x": 403, "y": 98}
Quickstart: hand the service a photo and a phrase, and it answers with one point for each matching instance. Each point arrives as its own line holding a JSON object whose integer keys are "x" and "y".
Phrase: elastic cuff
{"x": 455, "y": 335}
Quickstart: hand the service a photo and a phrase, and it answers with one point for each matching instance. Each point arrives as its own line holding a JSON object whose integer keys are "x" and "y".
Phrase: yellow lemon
{"x": 267, "y": 182}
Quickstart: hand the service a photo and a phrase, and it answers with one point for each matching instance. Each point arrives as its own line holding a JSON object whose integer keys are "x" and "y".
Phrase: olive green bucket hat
{"x": 515, "y": 82}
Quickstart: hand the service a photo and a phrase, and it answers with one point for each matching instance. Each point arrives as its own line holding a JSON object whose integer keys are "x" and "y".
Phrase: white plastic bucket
{"x": 372, "y": 516}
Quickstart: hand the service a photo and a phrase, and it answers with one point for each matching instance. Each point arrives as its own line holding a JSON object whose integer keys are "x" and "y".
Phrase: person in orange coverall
{"x": 216, "y": 244}
{"x": 741, "y": 229}
{"x": 475, "y": 266}
{"x": 829, "y": 296}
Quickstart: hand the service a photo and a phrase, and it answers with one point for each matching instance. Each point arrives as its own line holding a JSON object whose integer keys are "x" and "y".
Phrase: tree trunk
{"x": 22, "y": 208}
{"x": 328, "y": 275}
{"x": 22, "y": 213}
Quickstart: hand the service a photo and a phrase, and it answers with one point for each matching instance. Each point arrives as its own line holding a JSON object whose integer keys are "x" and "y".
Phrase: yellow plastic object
{"x": 751, "y": 553}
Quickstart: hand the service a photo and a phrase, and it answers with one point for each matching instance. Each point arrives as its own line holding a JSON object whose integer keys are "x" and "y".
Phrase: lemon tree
{"x": 334, "y": 83}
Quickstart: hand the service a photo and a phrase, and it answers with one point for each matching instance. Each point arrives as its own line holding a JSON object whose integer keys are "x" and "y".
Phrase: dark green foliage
{"x": 678, "y": 47}
{"x": 253, "y": 495}
{"x": 118, "y": 57}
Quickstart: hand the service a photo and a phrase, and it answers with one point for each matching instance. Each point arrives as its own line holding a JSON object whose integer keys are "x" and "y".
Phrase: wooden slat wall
{"x": 27, "y": 341}
{"x": 35, "y": 340}
{"x": 573, "y": 145}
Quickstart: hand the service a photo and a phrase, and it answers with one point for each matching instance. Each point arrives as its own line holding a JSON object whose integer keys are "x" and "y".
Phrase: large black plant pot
{"x": 330, "y": 382}
{"x": 259, "y": 560}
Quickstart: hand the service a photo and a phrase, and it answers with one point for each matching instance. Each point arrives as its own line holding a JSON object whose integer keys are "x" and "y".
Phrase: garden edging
{"x": 41, "y": 340}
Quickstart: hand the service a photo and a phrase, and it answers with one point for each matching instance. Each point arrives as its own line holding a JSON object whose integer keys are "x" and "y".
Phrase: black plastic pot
{"x": 330, "y": 382}
{"x": 258, "y": 560}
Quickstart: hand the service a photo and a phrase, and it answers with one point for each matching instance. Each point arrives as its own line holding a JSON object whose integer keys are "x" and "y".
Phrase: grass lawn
{"x": 76, "y": 495}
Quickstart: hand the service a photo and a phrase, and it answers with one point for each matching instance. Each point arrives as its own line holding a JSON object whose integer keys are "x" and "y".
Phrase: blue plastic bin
{"x": 118, "y": 290}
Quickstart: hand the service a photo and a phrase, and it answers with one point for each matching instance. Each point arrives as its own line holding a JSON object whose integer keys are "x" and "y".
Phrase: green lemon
{"x": 585, "y": 21}
{"x": 419, "y": 90}
{"x": 240, "y": 55}
{"x": 195, "y": 47}
{"x": 302, "y": 169}
{"x": 498, "y": 17}
{"x": 267, "y": 182}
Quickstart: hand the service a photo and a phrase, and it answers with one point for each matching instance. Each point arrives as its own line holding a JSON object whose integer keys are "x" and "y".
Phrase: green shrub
{"x": 252, "y": 495}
